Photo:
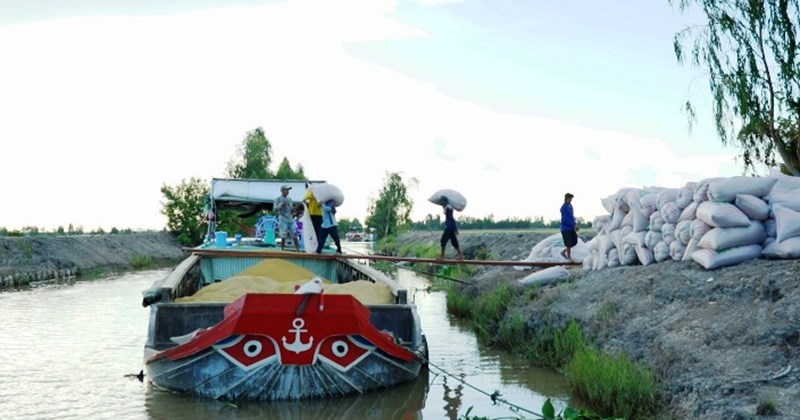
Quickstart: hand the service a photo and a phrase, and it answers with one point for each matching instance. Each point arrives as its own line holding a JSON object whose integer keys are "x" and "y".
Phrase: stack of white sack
{"x": 715, "y": 222}
{"x": 549, "y": 250}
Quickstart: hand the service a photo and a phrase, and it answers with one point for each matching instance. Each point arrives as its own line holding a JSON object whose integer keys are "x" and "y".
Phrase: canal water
{"x": 70, "y": 351}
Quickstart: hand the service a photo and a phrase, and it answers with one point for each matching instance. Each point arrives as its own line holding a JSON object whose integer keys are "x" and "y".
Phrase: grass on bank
{"x": 612, "y": 384}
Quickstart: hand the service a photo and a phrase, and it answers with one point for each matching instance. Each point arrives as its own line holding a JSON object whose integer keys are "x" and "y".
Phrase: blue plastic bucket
{"x": 222, "y": 238}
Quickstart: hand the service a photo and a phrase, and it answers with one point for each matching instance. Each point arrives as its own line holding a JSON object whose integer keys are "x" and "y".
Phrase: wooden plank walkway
{"x": 271, "y": 253}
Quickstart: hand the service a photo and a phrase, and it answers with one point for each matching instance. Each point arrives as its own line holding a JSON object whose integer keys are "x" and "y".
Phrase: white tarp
{"x": 255, "y": 190}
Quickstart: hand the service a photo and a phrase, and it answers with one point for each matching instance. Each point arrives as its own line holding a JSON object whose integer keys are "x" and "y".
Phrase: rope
{"x": 495, "y": 396}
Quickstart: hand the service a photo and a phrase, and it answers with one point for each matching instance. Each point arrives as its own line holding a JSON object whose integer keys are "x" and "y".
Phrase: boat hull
{"x": 279, "y": 347}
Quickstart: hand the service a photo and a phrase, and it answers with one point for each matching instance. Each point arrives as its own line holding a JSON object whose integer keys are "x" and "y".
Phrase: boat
{"x": 239, "y": 321}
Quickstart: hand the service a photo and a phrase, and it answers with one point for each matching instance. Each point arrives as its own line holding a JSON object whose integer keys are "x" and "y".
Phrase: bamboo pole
{"x": 249, "y": 253}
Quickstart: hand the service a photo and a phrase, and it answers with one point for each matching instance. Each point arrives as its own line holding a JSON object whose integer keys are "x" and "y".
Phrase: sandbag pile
{"x": 715, "y": 222}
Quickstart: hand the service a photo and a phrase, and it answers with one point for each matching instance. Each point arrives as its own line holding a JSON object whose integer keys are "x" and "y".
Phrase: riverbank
{"x": 722, "y": 342}
{"x": 26, "y": 260}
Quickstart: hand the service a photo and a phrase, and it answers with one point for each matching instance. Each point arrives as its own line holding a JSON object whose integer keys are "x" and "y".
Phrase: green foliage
{"x": 489, "y": 310}
{"x": 512, "y": 332}
{"x": 285, "y": 171}
{"x": 458, "y": 304}
{"x": 613, "y": 383}
{"x": 253, "y": 158}
{"x": 767, "y": 407}
{"x": 141, "y": 261}
{"x": 184, "y": 210}
{"x": 750, "y": 52}
{"x": 390, "y": 213}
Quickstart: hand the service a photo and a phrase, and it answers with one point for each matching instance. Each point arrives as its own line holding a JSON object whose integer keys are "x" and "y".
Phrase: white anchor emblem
{"x": 297, "y": 346}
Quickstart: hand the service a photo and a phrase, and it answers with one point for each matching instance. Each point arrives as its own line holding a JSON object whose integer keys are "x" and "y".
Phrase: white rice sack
{"x": 723, "y": 238}
{"x": 668, "y": 229}
{"x": 727, "y": 189}
{"x": 656, "y": 221}
{"x": 599, "y": 223}
{"x": 616, "y": 220}
{"x": 701, "y": 192}
{"x": 676, "y": 250}
{"x": 640, "y": 221}
{"x": 689, "y": 212}
{"x": 627, "y": 255}
{"x": 587, "y": 263}
{"x": 699, "y": 228}
{"x": 606, "y": 243}
{"x": 652, "y": 238}
{"x": 771, "y": 227}
{"x": 613, "y": 258}
{"x": 710, "y": 259}
{"x": 721, "y": 214}
{"x": 609, "y": 203}
{"x": 628, "y": 220}
{"x": 683, "y": 231}
{"x": 783, "y": 183}
{"x": 691, "y": 247}
{"x": 787, "y": 249}
{"x": 788, "y": 199}
{"x": 649, "y": 204}
{"x": 661, "y": 252}
{"x": 645, "y": 255}
{"x": 686, "y": 195}
{"x": 787, "y": 222}
{"x": 616, "y": 238}
{"x": 544, "y": 277}
{"x": 454, "y": 198}
{"x": 549, "y": 250}
{"x": 324, "y": 192}
{"x": 752, "y": 206}
{"x": 635, "y": 238}
{"x": 667, "y": 195}
{"x": 670, "y": 212}
{"x": 599, "y": 262}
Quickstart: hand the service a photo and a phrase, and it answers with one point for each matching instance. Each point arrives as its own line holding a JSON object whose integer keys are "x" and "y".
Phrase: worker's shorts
{"x": 288, "y": 229}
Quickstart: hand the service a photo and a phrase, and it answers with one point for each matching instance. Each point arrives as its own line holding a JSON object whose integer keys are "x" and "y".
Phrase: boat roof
{"x": 257, "y": 190}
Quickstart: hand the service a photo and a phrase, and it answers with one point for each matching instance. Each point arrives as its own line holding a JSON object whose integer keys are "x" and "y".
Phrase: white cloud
{"x": 102, "y": 111}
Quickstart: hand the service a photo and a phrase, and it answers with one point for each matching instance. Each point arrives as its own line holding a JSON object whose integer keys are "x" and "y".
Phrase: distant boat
{"x": 243, "y": 322}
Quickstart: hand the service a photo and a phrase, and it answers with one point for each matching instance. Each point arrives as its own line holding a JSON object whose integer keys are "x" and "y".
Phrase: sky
{"x": 512, "y": 103}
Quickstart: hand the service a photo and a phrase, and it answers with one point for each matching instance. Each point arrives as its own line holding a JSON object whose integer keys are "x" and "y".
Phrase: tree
{"x": 184, "y": 210}
{"x": 254, "y": 156}
{"x": 285, "y": 171}
{"x": 750, "y": 50}
{"x": 391, "y": 211}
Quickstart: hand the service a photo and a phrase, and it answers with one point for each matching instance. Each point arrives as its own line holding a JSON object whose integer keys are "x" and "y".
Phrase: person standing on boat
{"x": 286, "y": 223}
{"x": 450, "y": 229}
{"x": 569, "y": 229}
{"x": 314, "y": 212}
{"x": 329, "y": 227}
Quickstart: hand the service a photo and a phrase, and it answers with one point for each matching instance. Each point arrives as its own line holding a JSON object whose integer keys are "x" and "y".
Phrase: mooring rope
{"x": 495, "y": 396}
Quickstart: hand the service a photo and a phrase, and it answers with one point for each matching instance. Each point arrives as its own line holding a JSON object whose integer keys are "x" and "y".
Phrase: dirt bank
{"x": 24, "y": 260}
{"x": 721, "y": 341}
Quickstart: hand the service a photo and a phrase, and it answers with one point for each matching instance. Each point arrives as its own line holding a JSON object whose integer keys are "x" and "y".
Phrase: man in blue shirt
{"x": 569, "y": 229}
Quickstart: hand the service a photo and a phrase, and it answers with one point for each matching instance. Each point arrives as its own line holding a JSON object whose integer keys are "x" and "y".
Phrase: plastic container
{"x": 222, "y": 238}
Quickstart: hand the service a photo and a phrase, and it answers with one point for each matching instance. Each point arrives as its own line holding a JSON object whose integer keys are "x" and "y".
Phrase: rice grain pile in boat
{"x": 278, "y": 276}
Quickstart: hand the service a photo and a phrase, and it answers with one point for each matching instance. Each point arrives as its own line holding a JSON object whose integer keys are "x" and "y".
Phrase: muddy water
{"x": 65, "y": 351}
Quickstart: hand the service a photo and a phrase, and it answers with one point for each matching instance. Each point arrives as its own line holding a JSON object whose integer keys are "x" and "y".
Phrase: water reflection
{"x": 402, "y": 402}
{"x": 67, "y": 348}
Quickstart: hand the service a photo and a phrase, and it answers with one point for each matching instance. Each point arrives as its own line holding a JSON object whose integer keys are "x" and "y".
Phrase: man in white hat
{"x": 283, "y": 208}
